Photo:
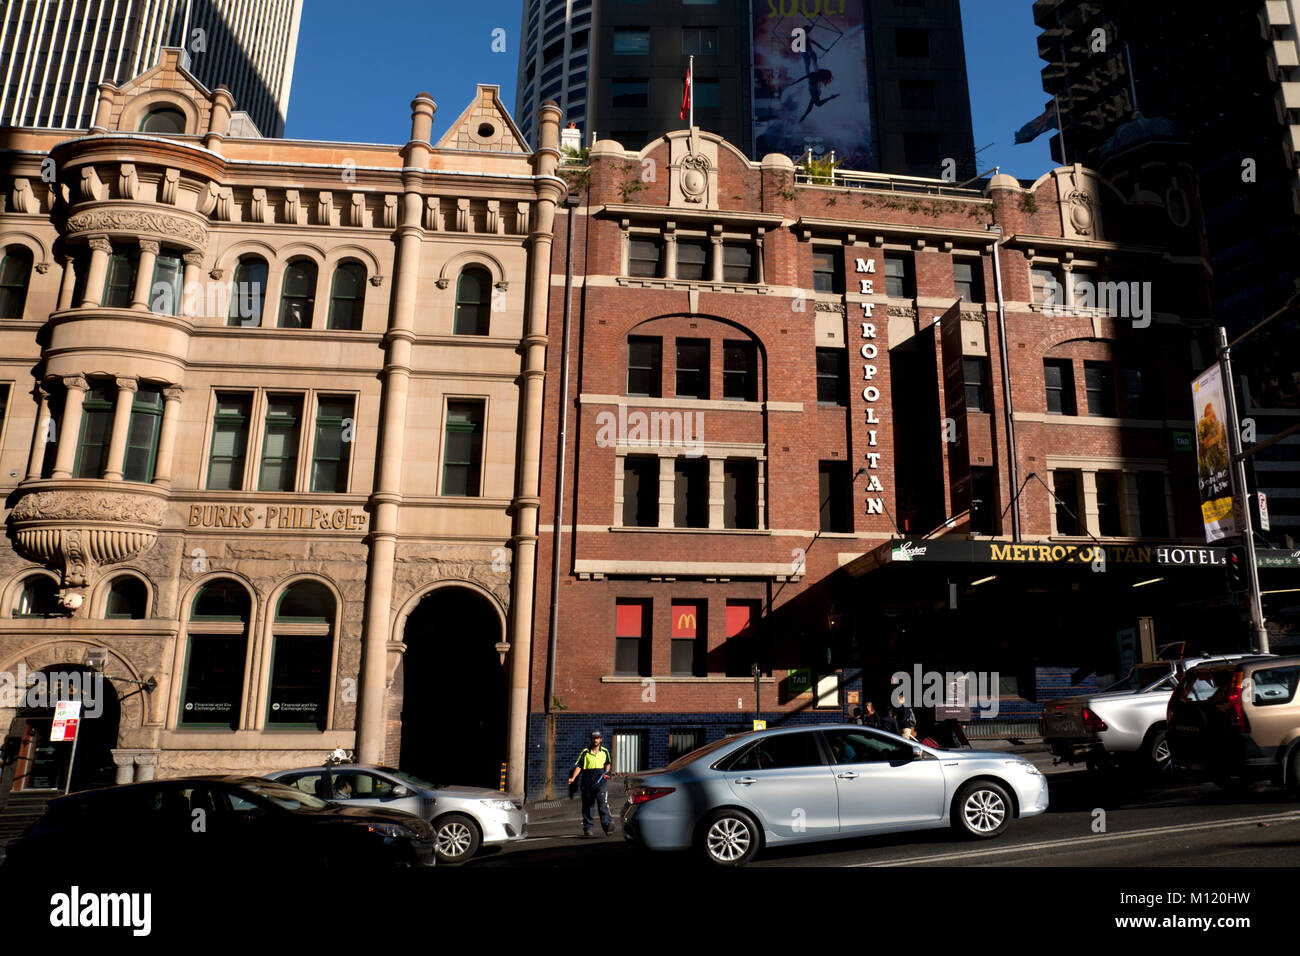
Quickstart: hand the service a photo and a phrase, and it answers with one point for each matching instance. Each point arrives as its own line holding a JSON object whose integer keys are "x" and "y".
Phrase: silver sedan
{"x": 805, "y": 784}
{"x": 463, "y": 818}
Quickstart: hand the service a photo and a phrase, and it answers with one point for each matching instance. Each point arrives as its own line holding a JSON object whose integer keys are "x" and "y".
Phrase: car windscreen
{"x": 1140, "y": 678}
{"x": 1206, "y": 684}
{"x": 699, "y": 752}
{"x": 286, "y": 798}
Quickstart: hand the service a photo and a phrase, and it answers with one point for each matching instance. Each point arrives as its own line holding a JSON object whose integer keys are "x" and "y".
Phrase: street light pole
{"x": 1240, "y": 497}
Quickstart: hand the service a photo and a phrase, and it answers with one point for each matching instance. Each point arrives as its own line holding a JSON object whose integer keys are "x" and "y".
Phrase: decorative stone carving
{"x": 433, "y": 214}
{"x": 192, "y": 258}
{"x": 259, "y": 207}
{"x": 695, "y": 177}
{"x": 376, "y": 281}
{"x": 390, "y": 212}
{"x": 521, "y": 218}
{"x": 325, "y": 208}
{"x": 979, "y": 317}
{"x": 90, "y": 506}
{"x": 92, "y": 188}
{"x": 902, "y": 311}
{"x": 150, "y": 245}
{"x": 167, "y": 187}
{"x": 42, "y": 267}
{"x": 24, "y": 200}
{"x": 503, "y": 285}
{"x": 494, "y": 223}
{"x": 128, "y": 181}
{"x": 829, "y": 307}
{"x": 217, "y": 273}
{"x": 225, "y": 204}
{"x": 293, "y": 210}
{"x": 357, "y": 211}
{"x": 100, "y": 244}
{"x": 207, "y": 199}
{"x": 442, "y": 282}
{"x": 100, "y": 220}
{"x": 1079, "y": 202}
{"x": 464, "y": 221}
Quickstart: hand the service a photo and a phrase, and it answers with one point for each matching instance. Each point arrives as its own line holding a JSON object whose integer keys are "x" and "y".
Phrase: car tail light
{"x": 1236, "y": 714}
{"x": 1092, "y": 723}
{"x": 646, "y": 794}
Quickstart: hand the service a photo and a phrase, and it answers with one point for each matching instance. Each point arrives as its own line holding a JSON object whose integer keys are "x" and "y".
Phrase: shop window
{"x": 741, "y": 647}
{"x": 216, "y": 650}
{"x": 302, "y": 648}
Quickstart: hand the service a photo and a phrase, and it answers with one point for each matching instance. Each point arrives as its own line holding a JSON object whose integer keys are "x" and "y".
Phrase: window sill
{"x": 680, "y": 679}
{"x": 705, "y": 285}
{"x": 753, "y": 531}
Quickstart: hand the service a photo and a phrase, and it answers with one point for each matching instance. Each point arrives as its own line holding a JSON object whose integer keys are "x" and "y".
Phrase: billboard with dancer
{"x": 812, "y": 87}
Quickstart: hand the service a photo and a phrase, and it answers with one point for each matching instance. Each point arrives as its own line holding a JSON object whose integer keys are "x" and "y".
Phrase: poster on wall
{"x": 1213, "y": 458}
{"x": 812, "y": 80}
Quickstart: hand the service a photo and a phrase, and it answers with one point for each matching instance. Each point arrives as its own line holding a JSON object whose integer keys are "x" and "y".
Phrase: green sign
{"x": 1182, "y": 441}
{"x": 799, "y": 682}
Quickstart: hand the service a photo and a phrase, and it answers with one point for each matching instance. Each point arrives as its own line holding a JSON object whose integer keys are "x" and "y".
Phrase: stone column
{"x": 144, "y": 274}
{"x": 70, "y": 429}
{"x": 386, "y": 498}
{"x": 715, "y": 256}
{"x": 758, "y": 257}
{"x": 219, "y": 120}
{"x": 670, "y": 251}
{"x": 667, "y": 490}
{"x": 67, "y": 283}
{"x": 527, "y": 500}
{"x": 146, "y": 765}
{"x": 717, "y": 492}
{"x": 162, "y": 469}
{"x": 1090, "y": 517}
{"x": 124, "y": 760}
{"x": 42, "y": 435}
{"x": 104, "y": 111}
{"x": 126, "y": 388}
{"x": 193, "y": 301}
{"x": 97, "y": 272}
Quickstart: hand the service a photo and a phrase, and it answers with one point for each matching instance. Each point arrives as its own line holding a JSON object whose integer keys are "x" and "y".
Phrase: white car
{"x": 463, "y": 818}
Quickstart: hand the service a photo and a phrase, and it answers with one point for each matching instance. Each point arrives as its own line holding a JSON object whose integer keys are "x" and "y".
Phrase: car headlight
{"x": 393, "y": 831}
{"x": 499, "y": 804}
{"x": 1026, "y": 766}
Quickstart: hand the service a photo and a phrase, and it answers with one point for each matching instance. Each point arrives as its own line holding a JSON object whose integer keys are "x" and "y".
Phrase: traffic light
{"x": 1235, "y": 569}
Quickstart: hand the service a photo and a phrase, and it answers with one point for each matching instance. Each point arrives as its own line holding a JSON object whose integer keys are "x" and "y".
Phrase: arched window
{"x": 163, "y": 120}
{"x": 15, "y": 271}
{"x": 473, "y": 302}
{"x": 298, "y": 294}
{"x": 248, "y": 292}
{"x": 39, "y": 597}
{"x": 347, "y": 296}
{"x": 127, "y": 599}
{"x": 216, "y": 650}
{"x": 301, "y": 654}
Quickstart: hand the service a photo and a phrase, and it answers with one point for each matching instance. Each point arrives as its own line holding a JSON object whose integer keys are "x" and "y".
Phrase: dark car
{"x": 204, "y": 824}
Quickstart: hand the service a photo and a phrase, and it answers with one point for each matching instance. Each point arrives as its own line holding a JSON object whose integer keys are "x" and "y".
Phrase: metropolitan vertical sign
{"x": 1213, "y": 458}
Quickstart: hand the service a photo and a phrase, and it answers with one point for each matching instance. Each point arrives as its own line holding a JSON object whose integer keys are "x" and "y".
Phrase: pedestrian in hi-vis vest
{"x": 591, "y": 770}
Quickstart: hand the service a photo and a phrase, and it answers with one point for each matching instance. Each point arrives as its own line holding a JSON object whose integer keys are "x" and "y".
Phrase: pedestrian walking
{"x": 881, "y": 722}
{"x": 591, "y": 771}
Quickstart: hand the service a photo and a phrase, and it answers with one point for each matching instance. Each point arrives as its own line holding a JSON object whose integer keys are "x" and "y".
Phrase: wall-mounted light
{"x": 983, "y": 580}
{"x": 1149, "y": 581}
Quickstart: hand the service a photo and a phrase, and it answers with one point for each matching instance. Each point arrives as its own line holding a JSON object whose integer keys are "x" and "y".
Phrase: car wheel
{"x": 729, "y": 838}
{"x": 1293, "y": 772}
{"x": 1159, "y": 758}
{"x": 982, "y": 809}
{"x": 455, "y": 838}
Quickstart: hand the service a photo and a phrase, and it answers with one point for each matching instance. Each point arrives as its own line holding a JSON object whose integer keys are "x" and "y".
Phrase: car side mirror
{"x": 917, "y": 753}
{"x": 401, "y": 791}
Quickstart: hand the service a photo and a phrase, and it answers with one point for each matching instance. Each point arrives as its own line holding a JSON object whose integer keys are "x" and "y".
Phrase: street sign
{"x": 1263, "y": 512}
{"x": 67, "y": 714}
{"x": 760, "y": 725}
{"x": 1182, "y": 441}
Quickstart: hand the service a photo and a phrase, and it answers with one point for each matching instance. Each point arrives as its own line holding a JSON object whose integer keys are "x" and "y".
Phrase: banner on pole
{"x": 67, "y": 714}
{"x": 1213, "y": 458}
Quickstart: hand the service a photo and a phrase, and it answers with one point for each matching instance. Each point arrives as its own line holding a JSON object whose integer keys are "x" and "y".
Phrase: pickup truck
{"x": 1125, "y": 720}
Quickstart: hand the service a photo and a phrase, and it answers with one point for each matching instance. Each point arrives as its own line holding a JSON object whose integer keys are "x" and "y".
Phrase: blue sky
{"x": 359, "y": 65}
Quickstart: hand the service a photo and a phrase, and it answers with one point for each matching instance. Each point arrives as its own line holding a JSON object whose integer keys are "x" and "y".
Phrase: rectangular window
{"x": 630, "y": 749}
{"x": 689, "y": 633}
{"x": 214, "y": 680}
{"x": 739, "y": 371}
{"x": 1045, "y": 288}
{"x": 631, "y": 42}
{"x": 1141, "y": 394}
{"x": 644, "y": 365}
{"x": 682, "y": 742}
{"x": 1110, "y": 521}
{"x": 705, "y": 94}
{"x": 1151, "y": 504}
{"x": 740, "y": 650}
{"x": 976, "y": 371}
{"x": 462, "y": 459}
{"x": 912, "y": 42}
{"x": 692, "y": 368}
{"x": 643, "y": 257}
{"x": 300, "y": 680}
{"x": 1066, "y": 488}
{"x": 120, "y": 284}
{"x": 916, "y": 94}
{"x": 983, "y": 501}
{"x": 740, "y": 493}
{"x": 737, "y": 262}
{"x": 1083, "y": 288}
{"x": 142, "y": 433}
{"x": 280, "y": 443}
{"x": 229, "y": 441}
{"x": 640, "y": 492}
{"x": 701, "y": 41}
{"x": 333, "y": 445}
{"x": 835, "y": 494}
{"x": 692, "y": 259}
{"x": 968, "y": 280}
{"x": 632, "y": 638}
{"x": 898, "y": 276}
{"x": 631, "y": 94}
{"x": 1059, "y": 377}
{"x": 691, "y": 493}
{"x": 832, "y": 377}
{"x": 96, "y": 430}
{"x": 827, "y": 275}
{"x": 165, "y": 292}
{"x": 1098, "y": 383}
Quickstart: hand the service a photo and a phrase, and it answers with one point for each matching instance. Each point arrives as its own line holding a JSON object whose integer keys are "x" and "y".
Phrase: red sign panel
{"x": 628, "y": 620}
{"x": 685, "y": 620}
{"x": 739, "y": 617}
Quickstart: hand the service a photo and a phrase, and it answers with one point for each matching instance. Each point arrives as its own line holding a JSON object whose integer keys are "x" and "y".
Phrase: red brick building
{"x": 771, "y": 381}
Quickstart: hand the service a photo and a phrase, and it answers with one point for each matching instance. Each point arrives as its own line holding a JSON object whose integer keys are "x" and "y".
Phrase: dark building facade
{"x": 786, "y": 445}
{"x": 1220, "y": 80}
{"x": 882, "y": 84}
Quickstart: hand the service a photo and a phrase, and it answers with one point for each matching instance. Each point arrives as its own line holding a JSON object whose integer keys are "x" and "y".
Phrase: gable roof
{"x": 485, "y": 126}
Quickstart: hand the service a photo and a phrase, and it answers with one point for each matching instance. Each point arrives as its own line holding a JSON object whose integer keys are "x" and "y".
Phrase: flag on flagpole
{"x": 1039, "y": 125}
{"x": 687, "y": 106}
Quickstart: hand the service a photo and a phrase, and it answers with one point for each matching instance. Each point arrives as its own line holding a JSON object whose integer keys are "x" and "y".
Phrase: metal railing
{"x": 889, "y": 182}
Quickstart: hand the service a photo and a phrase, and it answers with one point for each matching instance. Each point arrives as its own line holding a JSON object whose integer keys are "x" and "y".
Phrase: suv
{"x": 1125, "y": 720}
{"x": 1239, "y": 721}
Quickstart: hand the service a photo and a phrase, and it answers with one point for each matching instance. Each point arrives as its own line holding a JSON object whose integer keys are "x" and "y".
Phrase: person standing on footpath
{"x": 591, "y": 770}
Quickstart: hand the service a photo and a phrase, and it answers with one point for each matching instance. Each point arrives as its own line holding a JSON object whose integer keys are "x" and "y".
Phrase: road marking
{"x": 1090, "y": 840}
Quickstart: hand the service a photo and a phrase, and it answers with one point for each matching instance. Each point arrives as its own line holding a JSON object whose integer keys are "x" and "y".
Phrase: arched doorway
{"x": 454, "y": 692}
{"x": 41, "y": 763}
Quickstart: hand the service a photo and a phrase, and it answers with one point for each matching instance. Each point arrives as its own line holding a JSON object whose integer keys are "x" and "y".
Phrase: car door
{"x": 881, "y": 783}
{"x": 370, "y": 789}
{"x": 784, "y": 778}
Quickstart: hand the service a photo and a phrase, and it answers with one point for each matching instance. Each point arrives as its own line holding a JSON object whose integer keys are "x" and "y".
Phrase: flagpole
{"x": 1056, "y": 105}
{"x": 690, "y": 83}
